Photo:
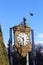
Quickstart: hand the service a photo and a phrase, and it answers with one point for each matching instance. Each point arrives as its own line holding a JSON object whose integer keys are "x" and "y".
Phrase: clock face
{"x": 23, "y": 39}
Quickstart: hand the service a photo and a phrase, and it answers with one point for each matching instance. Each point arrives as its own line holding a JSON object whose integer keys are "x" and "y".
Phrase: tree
{"x": 9, "y": 49}
{"x": 38, "y": 56}
{"x": 4, "y": 60}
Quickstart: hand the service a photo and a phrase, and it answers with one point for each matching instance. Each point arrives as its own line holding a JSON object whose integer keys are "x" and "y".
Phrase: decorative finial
{"x": 24, "y": 21}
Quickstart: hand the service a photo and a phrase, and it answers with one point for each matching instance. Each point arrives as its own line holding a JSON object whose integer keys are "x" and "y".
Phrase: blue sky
{"x": 13, "y": 11}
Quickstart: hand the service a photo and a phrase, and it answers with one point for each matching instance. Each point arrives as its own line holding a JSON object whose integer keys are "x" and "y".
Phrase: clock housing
{"x": 22, "y": 40}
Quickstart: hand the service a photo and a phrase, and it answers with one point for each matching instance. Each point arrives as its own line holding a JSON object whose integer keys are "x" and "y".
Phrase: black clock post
{"x": 27, "y": 56}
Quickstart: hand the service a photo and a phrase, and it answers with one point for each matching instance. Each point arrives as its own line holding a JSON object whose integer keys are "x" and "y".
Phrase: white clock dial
{"x": 23, "y": 39}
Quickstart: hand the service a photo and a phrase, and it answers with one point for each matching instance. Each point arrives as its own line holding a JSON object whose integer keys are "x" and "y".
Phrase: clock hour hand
{"x": 23, "y": 40}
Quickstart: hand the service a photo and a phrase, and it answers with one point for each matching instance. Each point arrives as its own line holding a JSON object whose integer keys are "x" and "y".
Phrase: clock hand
{"x": 23, "y": 40}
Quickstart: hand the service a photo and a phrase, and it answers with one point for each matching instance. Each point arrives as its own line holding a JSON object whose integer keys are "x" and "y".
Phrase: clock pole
{"x": 27, "y": 57}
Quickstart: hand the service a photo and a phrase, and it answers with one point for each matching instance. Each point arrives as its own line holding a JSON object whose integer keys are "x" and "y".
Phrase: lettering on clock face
{"x": 23, "y": 39}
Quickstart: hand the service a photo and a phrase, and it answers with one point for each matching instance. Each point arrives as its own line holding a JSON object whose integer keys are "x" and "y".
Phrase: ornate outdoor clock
{"x": 22, "y": 39}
